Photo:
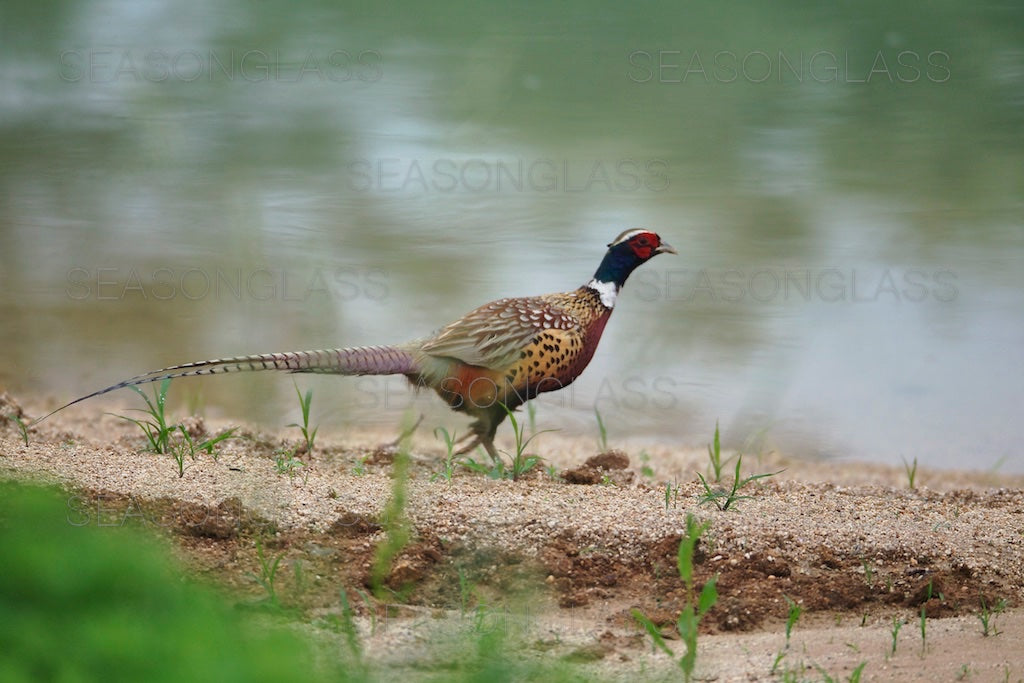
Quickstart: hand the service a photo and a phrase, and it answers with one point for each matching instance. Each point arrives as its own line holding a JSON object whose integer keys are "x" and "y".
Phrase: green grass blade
{"x": 602, "y": 430}
{"x": 652, "y": 631}
{"x": 684, "y": 558}
{"x": 708, "y": 596}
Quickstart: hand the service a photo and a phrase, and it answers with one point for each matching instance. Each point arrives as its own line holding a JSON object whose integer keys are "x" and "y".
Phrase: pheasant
{"x": 486, "y": 363}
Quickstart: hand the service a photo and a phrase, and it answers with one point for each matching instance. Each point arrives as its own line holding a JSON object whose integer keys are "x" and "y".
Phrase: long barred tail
{"x": 357, "y": 360}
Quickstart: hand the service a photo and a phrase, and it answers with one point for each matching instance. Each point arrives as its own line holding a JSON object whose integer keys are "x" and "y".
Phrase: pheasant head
{"x": 625, "y": 253}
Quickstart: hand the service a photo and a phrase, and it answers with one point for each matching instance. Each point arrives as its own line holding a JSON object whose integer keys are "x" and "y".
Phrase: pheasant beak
{"x": 665, "y": 248}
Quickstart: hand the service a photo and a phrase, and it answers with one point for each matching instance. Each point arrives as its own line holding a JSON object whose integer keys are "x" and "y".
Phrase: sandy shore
{"x": 565, "y": 563}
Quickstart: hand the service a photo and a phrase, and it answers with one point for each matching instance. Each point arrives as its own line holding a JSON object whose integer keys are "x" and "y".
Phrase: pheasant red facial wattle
{"x": 497, "y": 356}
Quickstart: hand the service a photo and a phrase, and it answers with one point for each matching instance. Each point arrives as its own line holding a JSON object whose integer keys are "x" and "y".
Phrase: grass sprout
{"x": 359, "y": 469}
{"x": 157, "y": 430}
{"x": 348, "y": 628}
{"x": 715, "y": 456}
{"x": 693, "y": 610}
{"x": 397, "y": 528}
{"x": 671, "y": 494}
{"x": 22, "y": 427}
{"x": 723, "y": 499}
{"x": 521, "y": 461}
{"x": 853, "y": 678}
{"x": 645, "y": 469}
{"x": 602, "y": 431}
{"x": 166, "y": 437}
{"x": 923, "y": 621}
{"x": 792, "y": 616}
{"x": 911, "y": 470}
{"x": 285, "y": 462}
{"x": 869, "y": 572}
{"x": 988, "y": 614}
{"x": 268, "y": 571}
{"x": 894, "y": 632}
{"x": 184, "y": 445}
{"x": 305, "y": 401}
{"x": 449, "y": 465}
{"x": 492, "y": 469}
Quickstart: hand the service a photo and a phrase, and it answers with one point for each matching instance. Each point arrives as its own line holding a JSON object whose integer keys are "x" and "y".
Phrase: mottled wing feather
{"x": 493, "y": 335}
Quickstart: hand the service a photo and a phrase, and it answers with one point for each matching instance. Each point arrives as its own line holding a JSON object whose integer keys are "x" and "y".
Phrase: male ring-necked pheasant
{"x": 499, "y": 355}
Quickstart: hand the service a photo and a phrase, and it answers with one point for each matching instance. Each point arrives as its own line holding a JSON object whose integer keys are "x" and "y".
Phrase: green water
{"x": 844, "y": 185}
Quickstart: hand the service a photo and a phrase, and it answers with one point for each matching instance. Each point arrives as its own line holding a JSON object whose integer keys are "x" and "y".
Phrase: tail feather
{"x": 358, "y": 360}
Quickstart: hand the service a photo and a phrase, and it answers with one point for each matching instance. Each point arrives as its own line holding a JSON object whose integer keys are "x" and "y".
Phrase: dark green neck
{"x": 616, "y": 265}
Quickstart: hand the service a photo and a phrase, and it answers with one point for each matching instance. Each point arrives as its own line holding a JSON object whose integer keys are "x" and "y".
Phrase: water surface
{"x": 844, "y": 186}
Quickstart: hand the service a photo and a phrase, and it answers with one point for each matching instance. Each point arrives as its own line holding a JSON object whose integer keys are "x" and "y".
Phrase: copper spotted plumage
{"x": 496, "y": 357}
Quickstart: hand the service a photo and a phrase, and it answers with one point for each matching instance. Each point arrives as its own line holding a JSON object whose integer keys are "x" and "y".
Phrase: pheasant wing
{"x": 493, "y": 335}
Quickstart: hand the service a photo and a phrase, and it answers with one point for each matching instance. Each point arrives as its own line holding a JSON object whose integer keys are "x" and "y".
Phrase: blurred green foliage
{"x": 81, "y": 603}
